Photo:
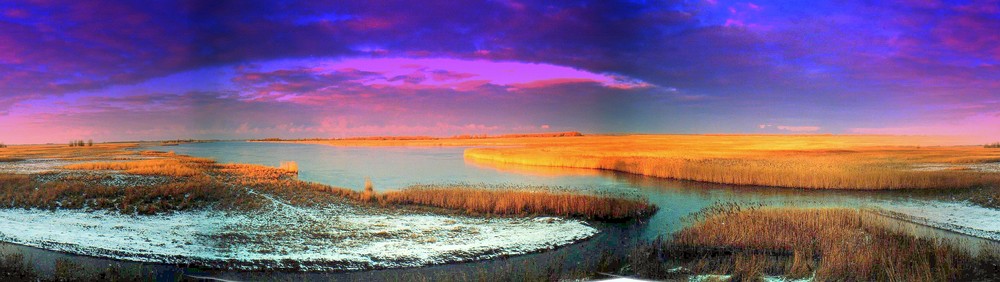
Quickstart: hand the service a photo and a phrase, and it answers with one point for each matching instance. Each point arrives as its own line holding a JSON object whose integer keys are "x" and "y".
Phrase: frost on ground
{"x": 33, "y": 166}
{"x": 983, "y": 167}
{"x": 955, "y": 216}
{"x": 285, "y": 237}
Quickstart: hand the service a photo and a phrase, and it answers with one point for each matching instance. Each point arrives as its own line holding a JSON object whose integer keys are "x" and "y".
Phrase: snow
{"x": 34, "y": 166}
{"x": 960, "y": 217}
{"x": 337, "y": 237}
{"x": 980, "y": 167}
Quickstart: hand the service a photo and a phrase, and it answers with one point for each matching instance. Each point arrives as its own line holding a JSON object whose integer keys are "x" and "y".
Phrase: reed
{"x": 520, "y": 202}
{"x": 166, "y": 167}
{"x": 167, "y": 183}
{"x": 819, "y": 162}
{"x": 369, "y": 192}
{"x": 830, "y": 243}
{"x": 290, "y": 166}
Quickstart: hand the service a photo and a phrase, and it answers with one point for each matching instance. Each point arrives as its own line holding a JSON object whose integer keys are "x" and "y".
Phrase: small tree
{"x": 90, "y": 142}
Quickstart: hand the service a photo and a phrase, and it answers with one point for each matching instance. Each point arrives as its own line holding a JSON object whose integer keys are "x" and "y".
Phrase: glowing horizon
{"x": 243, "y": 70}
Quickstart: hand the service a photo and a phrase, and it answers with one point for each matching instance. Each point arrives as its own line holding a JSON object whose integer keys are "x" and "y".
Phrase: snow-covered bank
{"x": 338, "y": 237}
{"x": 960, "y": 217}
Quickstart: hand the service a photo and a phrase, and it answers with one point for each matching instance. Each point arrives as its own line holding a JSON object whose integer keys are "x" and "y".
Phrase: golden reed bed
{"x": 822, "y": 161}
{"x": 828, "y": 244}
{"x": 507, "y": 202}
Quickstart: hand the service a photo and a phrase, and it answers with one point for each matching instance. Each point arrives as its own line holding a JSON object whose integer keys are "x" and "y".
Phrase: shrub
{"x": 993, "y": 145}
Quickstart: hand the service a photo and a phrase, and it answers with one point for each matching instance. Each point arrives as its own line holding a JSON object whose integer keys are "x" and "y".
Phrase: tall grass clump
{"x": 14, "y": 267}
{"x": 828, "y": 244}
{"x": 290, "y": 166}
{"x": 506, "y": 202}
{"x": 368, "y": 195}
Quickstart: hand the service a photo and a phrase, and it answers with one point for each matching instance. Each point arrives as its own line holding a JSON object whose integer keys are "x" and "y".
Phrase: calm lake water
{"x": 399, "y": 167}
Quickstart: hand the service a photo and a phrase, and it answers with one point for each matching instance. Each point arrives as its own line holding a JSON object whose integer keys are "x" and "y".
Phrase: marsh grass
{"x": 521, "y": 202}
{"x": 824, "y": 243}
{"x": 193, "y": 183}
{"x": 819, "y": 162}
{"x": 166, "y": 167}
{"x": 14, "y": 267}
{"x": 368, "y": 195}
{"x": 290, "y": 166}
{"x": 17, "y": 267}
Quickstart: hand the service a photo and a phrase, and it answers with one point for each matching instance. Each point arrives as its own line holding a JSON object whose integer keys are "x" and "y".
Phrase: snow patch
{"x": 338, "y": 237}
{"x": 980, "y": 167}
{"x": 955, "y": 216}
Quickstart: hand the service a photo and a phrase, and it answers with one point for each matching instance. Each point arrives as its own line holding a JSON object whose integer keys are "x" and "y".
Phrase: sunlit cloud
{"x": 240, "y": 69}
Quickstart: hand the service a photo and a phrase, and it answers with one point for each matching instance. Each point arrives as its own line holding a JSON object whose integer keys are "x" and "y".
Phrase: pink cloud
{"x": 977, "y": 128}
{"x": 297, "y": 80}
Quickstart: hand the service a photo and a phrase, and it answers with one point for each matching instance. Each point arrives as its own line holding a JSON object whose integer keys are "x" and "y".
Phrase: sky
{"x": 155, "y": 70}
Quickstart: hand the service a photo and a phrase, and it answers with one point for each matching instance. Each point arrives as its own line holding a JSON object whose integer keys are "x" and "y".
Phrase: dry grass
{"x": 165, "y": 167}
{"x": 191, "y": 183}
{"x": 833, "y": 244}
{"x": 369, "y": 193}
{"x": 822, "y": 162}
{"x": 290, "y": 166}
{"x": 17, "y": 267}
{"x": 65, "y": 152}
{"x": 520, "y": 202}
{"x": 185, "y": 183}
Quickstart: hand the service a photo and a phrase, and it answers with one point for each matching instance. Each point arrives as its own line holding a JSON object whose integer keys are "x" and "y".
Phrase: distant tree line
{"x": 994, "y": 145}
{"x": 80, "y": 143}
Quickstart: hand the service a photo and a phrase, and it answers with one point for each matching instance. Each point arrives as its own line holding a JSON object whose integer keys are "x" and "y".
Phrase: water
{"x": 388, "y": 167}
{"x": 399, "y": 167}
